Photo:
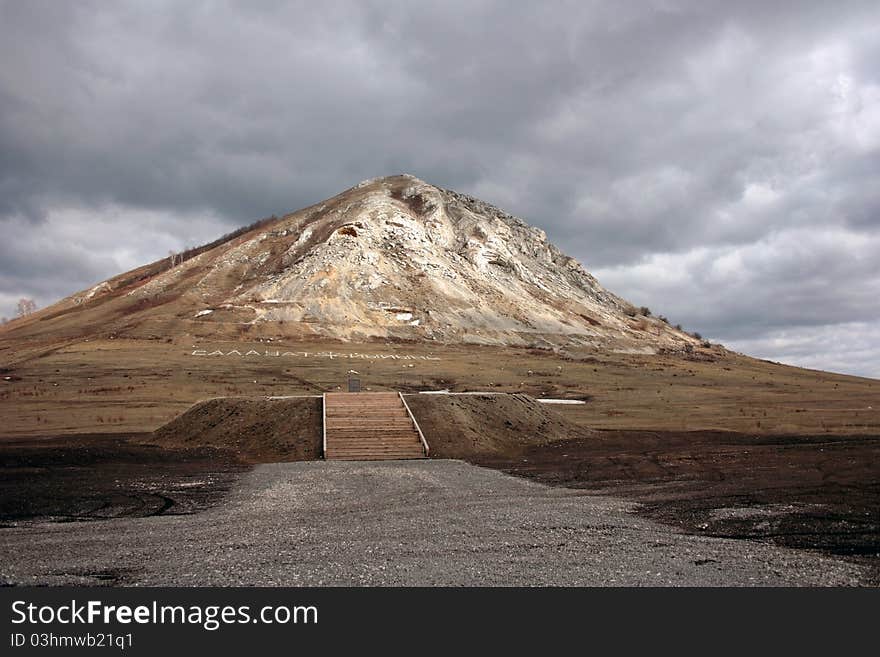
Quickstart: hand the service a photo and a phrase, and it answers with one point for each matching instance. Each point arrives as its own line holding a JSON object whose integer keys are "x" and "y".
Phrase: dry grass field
{"x": 124, "y": 385}
{"x": 714, "y": 443}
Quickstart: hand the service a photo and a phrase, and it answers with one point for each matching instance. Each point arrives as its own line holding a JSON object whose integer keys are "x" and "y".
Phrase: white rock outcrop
{"x": 396, "y": 257}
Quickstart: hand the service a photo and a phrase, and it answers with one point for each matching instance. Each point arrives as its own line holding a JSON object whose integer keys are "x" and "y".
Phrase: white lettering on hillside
{"x": 310, "y": 354}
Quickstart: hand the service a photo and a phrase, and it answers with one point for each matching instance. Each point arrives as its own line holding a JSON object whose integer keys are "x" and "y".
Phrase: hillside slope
{"x": 392, "y": 258}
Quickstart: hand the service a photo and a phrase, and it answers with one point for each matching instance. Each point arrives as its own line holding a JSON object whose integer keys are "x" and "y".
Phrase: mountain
{"x": 392, "y": 258}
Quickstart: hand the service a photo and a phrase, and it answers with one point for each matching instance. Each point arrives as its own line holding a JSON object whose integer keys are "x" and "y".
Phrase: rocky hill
{"x": 393, "y": 258}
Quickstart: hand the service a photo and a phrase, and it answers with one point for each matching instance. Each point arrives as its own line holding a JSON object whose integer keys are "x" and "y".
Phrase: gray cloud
{"x": 714, "y": 160}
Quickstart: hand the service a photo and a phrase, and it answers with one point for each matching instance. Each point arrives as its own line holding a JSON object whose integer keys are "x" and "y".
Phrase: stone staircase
{"x": 370, "y": 426}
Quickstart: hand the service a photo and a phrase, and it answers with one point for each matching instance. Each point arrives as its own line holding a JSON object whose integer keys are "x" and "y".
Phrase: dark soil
{"x": 468, "y": 426}
{"x": 99, "y": 476}
{"x": 255, "y": 430}
{"x": 808, "y": 492}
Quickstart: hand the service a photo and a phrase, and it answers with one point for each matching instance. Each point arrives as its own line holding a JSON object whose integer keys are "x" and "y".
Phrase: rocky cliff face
{"x": 392, "y": 258}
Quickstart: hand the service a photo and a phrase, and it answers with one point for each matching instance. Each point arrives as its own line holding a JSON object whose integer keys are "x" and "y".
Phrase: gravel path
{"x": 398, "y": 523}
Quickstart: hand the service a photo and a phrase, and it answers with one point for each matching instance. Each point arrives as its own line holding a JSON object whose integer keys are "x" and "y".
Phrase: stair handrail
{"x": 324, "y": 422}
{"x": 415, "y": 424}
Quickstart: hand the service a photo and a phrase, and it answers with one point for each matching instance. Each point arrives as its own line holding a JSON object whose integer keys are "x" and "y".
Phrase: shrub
{"x": 644, "y": 310}
{"x": 191, "y": 252}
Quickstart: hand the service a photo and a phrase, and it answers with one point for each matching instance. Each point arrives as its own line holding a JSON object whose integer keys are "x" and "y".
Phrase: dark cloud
{"x": 714, "y": 160}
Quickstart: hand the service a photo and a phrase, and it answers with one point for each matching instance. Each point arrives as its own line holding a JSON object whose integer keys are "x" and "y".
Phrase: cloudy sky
{"x": 716, "y": 161}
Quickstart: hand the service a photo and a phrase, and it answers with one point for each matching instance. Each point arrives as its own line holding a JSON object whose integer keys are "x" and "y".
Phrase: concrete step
{"x": 369, "y": 444}
{"x": 373, "y": 457}
{"x": 374, "y": 417}
{"x": 374, "y": 435}
{"x": 377, "y": 450}
{"x": 366, "y": 409}
{"x": 370, "y": 427}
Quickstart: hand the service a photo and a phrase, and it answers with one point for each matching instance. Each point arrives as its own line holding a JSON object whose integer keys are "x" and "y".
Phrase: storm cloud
{"x": 715, "y": 161}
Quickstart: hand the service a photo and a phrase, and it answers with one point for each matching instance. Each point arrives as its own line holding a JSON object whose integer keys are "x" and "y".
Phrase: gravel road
{"x": 398, "y": 523}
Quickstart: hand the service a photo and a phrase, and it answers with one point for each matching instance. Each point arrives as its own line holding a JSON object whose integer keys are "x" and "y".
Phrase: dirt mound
{"x": 455, "y": 426}
{"x": 465, "y": 426}
{"x": 256, "y": 430}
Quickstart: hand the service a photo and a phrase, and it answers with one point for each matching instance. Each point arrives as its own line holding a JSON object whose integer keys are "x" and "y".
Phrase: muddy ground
{"x": 808, "y": 492}
{"x": 813, "y": 492}
{"x": 816, "y": 492}
{"x": 101, "y": 476}
{"x": 423, "y": 522}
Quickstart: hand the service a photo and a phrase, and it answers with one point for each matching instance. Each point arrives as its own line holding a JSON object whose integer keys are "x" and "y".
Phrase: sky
{"x": 717, "y": 162}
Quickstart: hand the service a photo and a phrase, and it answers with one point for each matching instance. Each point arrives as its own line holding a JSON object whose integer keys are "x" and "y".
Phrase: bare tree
{"x": 25, "y": 307}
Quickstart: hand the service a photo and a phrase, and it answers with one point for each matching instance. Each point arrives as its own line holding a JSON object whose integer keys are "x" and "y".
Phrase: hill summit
{"x": 391, "y": 258}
